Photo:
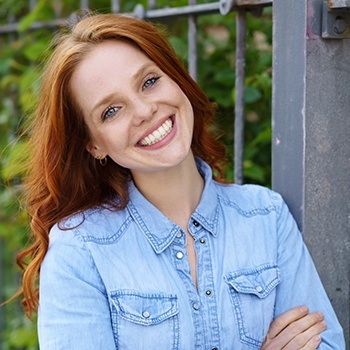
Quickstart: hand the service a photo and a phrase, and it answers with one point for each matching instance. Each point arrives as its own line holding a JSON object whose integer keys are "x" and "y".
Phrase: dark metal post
{"x": 192, "y": 43}
{"x": 239, "y": 96}
{"x": 84, "y": 4}
{"x": 115, "y": 6}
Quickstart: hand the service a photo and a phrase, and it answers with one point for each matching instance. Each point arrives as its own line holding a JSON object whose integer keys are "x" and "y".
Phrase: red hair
{"x": 63, "y": 177}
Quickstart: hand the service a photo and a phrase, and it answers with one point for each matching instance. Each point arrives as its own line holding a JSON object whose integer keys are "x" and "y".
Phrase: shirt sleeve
{"x": 74, "y": 310}
{"x": 301, "y": 284}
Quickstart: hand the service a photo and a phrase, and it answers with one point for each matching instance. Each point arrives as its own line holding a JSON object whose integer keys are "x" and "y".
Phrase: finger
{"x": 306, "y": 339}
{"x": 283, "y": 320}
{"x": 313, "y": 343}
{"x": 293, "y": 329}
{"x": 298, "y": 327}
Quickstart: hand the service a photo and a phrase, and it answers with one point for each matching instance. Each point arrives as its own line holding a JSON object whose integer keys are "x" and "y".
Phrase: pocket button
{"x": 146, "y": 314}
{"x": 259, "y": 289}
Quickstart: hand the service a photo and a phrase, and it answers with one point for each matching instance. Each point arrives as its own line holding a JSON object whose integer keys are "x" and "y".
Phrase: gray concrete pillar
{"x": 311, "y": 138}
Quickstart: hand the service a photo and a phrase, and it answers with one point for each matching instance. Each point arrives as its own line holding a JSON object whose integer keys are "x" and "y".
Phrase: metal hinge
{"x": 336, "y": 19}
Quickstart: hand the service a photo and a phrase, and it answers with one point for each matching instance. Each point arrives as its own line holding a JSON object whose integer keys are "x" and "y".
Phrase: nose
{"x": 143, "y": 109}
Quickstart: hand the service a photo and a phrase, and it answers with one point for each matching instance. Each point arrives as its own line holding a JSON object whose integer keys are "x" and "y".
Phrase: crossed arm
{"x": 295, "y": 329}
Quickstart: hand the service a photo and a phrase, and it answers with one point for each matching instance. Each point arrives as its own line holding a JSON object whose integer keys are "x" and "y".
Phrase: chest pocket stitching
{"x": 260, "y": 281}
{"x": 134, "y": 306}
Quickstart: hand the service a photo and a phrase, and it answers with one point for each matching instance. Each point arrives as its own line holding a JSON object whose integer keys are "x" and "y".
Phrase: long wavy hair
{"x": 62, "y": 177}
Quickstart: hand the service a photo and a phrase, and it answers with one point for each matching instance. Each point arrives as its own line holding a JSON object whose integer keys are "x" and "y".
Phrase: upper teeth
{"x": 158, "y": 134}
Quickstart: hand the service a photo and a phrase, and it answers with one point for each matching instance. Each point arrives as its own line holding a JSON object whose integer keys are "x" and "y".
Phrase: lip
{"x": 154, "y": 127}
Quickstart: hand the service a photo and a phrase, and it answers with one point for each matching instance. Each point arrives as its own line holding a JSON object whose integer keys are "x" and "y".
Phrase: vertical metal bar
{"x": 84, "y": 4}
{"x": 151, "y": 4}
{"x": 115, "y": 6}
{"x": 192, "y": 43}
{"x": 239, "y": 96}
{"x": 57, "y": 5}
{"x": 32, "y": 4}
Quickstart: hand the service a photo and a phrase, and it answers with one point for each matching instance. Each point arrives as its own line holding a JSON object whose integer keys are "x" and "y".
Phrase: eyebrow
{"x": 105, "y": 100}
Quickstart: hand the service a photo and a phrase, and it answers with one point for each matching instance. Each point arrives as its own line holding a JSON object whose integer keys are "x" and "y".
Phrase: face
{"x": 135, "y": 113}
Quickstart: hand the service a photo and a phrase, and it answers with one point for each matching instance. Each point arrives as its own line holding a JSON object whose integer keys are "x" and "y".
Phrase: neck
{"x": 176, "y": 192}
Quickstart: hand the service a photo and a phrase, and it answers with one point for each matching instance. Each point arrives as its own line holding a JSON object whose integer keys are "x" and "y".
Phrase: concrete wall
{"x": 311, "y": 140}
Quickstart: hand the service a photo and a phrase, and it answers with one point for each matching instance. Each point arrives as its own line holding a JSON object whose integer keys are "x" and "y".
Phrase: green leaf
{"x": 41, "y": 12}
{"x": 253, "y": 171}
{"x": 13, "y": 166}
{"x": 252, "y": 94}
{"x": 35, "y": 51}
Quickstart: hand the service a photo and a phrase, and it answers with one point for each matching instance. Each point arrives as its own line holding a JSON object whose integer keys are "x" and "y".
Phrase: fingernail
{"x": 303, "y": 309}
{"x": 316, "y": 339}
{"x": 320, "y": 315}
{"x": 323, "y": 324}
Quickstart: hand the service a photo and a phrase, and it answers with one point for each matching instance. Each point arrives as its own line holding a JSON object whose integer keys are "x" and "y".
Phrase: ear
{"x": 94, "y": 150}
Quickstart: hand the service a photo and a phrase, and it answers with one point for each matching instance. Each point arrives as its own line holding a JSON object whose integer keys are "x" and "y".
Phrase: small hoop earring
{"x": 103, "y": 161}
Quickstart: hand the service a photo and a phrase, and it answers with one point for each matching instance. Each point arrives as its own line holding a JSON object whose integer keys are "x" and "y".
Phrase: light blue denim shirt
{"x": 121, "y": 280}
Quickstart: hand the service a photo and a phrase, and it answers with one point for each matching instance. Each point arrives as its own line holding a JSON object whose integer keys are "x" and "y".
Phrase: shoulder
{"x": 97, "y": 224}
{"x": 249, "y": 199}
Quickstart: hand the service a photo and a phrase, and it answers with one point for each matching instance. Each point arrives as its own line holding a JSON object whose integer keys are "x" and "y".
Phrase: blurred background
{"x": 27, "y": 28}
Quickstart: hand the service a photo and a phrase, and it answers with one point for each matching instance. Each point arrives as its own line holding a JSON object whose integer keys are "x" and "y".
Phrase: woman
{"x": 137, "y": 245}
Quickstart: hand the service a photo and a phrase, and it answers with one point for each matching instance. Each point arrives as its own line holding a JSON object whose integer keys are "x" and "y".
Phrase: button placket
{"x": 196, "y": 306}
{"x": 195, "y": 223}
{"x": 179, "y": 255}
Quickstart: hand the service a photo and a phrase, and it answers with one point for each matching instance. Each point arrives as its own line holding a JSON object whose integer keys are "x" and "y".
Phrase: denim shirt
{"x": 121, "y": 279}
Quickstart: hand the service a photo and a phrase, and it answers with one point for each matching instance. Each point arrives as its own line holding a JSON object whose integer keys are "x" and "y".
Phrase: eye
{"x": 110, "y": 112}
{"x": 150, "y": 82}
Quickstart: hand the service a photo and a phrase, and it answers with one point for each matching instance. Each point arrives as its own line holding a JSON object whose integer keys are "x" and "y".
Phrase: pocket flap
{"x": 259, "y": 281}
{"x": 145, "y": 309}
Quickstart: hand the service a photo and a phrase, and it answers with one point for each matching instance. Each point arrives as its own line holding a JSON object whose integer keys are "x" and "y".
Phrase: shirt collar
{"x": 158, "y": 229}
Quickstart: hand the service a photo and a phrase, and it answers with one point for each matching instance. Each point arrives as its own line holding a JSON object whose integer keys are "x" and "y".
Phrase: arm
{"x": 73, "y": 308}
{"x": 300, "y": 282}
{"x": 295, "y": 329}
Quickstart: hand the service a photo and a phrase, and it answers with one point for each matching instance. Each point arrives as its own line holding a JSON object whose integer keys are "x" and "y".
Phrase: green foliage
{"x": 21, "y": 55}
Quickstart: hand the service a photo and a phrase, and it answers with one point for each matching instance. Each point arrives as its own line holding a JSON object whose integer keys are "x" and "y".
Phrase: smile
{"x": 158, "y": 134}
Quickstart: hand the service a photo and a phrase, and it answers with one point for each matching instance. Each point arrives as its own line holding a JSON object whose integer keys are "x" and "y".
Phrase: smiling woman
{"x": 139, "y": 241}
{"x": 145, "y": 121}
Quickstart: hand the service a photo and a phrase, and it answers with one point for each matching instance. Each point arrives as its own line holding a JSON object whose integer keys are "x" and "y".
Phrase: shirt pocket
{"x": 142, "y": 320}
{"x": 253, "y": 293}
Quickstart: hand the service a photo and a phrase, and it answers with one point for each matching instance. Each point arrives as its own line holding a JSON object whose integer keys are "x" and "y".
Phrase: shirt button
{"x": 195, "y": 306}
{"x": 179, "y": 255}
{"x": 146, "y": 314}
{"x": 208, "y": 292}
{"x": 195, "y": 223}
{"x": 202, "y": 241}
{"x": 259, "y": 289}
{"x": 214, "y": 348}
{"x": 179, "y": 234}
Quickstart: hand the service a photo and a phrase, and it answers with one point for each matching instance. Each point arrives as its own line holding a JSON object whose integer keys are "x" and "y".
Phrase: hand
{"x": 295, "y": 329}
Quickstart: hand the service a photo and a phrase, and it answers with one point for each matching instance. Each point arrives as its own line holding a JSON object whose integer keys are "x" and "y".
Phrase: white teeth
{"x": 158, "y": 134}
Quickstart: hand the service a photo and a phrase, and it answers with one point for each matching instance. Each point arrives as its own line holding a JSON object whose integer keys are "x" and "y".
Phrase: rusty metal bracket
{"x": 336, "y": 19}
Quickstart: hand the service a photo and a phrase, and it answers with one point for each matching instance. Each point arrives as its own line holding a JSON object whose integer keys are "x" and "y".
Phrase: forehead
{"x": 112, "y": 53}
{"x": 109, "y": 66}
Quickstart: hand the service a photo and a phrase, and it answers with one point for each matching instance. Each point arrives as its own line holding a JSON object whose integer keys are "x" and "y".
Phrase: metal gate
{"x": 311, "y": 117}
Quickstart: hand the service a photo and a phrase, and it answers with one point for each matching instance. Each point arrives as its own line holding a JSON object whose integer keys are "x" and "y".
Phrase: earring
{"x": 103, "y": 160}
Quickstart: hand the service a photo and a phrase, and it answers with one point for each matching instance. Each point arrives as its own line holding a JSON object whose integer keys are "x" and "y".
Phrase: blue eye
{"x": 150, "y": 82}
{"x": 110, "y": 112}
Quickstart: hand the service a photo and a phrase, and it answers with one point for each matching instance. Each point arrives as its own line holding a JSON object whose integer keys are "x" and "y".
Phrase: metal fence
{"x": 311, "y": 118}
{"x": 191, "y": 11}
